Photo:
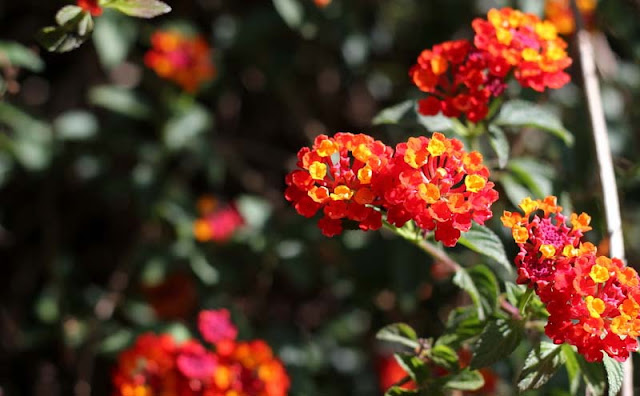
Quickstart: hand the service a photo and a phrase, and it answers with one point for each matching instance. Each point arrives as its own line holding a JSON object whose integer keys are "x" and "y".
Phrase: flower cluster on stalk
{"x": 158, "y": 365}
{"x": 184, "y": 60}
{"x": 593, "y": 301}
{"x": 462, "y": 77}
{"x": 355, "y": 179}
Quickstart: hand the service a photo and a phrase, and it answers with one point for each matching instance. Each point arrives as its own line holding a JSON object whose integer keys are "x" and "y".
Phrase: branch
{"x": 426, "y": 246}
{"x": 605, "y": 162}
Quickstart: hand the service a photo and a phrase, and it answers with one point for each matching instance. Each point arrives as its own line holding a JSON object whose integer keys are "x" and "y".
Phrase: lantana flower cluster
{"x": 217, "y": 222}
{"x": 463, "y": 76}
{"x": 158, "y": 365}
{"x": 593, "y": 301}
{"x": 182, "y": 59}
{"x": 357, "y": 180}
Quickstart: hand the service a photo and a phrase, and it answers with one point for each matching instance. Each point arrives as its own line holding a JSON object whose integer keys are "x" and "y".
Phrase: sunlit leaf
{"x": 615, "y": 375}
{"x": 400, "y": 333}
{"x": 21, "y": 56}
{"x": 521, "y": 113}
{"x": 139, "y": 8}
{"x": 482, "y": 240}
{"x": 540, "y": 365}
{"x": 120, "y": 100}
{"x": 76, "y": 125}
{"x": 467, "y": 380}
{"x": 500, "y": 144}
{"x": 113, "y": 37}
{"x": 291, "y": 11}
{"x": 497, "y": 341}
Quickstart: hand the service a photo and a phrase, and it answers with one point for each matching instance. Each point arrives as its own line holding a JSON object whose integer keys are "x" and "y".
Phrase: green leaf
{"x": 534, "y": 174}
{"x": 74, "y": 27}
{"x": 462, "y": 324}
{"x": 541, "y": 364}
{"x": 487, "y": 285}
{"x": 573, "y": 368}
{"x": 615, "y": 375}
{"x": 439, "y": 123}
{"x": 85, "y": 26}
{"x": 398, "y": 391}
{"x": 400, "y": 333}
{"x": 203, "y": 269}
{"x": 514, "y": 189}
{"x": 521, "y": 113}
{"x": 467, "y": 380}
{"x": 21, "y": 56}
{"x": 113, "y": 37}
{"x": 482, "y": 240}
{"x": 76, "y": 125}
{"x": 120, "y": 100}
{"x": 393, "y": 114}
{"x": 291, "y": 12}
{"x": 500, "y": 144}
{"x": 498, "y": 339}
{"x": 514, "y": 292}
{"x": 31, "y": 140}
{"x": 139, "y": 8}
{"x": 482, "y": 287}
{"x": 414, "y": 366}
{"x": 57, "y": 39}
{"x": 593, "y": 374}
{"x": 463, "y": 280}
{"x": 444, "y": 356}
{"x": 184, "y": 128}
{"x": 67, "y": 13}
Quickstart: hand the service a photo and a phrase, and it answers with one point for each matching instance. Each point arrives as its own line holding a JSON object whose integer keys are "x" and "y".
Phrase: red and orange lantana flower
{"x": 458, "y": 79}
{"x": 336, "y": 175}
{"x": 440, "y": 186}
{"x": 184, "y": 60}
{"x": 355, "y": 178}
{"x": 593, "y": 301}
{"x": 157, "y": 365}
{"x": 216, "y": 223}
{"x": 525, "y": 44}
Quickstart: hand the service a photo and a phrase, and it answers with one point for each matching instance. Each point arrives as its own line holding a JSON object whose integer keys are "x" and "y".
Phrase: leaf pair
{"x": 74, "y": 24}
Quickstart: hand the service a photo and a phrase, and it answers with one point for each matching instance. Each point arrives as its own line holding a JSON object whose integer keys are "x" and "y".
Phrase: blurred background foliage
{"x": 102, "y": 164}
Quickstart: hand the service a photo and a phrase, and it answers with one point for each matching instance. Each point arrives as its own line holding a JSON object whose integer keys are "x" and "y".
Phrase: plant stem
{"x": 424, "y": 245}
{"x": 605, "y": 162}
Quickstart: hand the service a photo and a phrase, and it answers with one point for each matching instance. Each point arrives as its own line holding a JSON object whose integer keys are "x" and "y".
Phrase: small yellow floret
{"x": 547, "y": 251}
{"x": 362, "y": 153}
{"x": 520, "y": 234}
{"x": 530, "y": 55}
{"x": 475, "y": 183}
{"x": 528, "y": 205}
{"x": 318, "y": 170}
{"x": 436, "y": 146}
{"x": 595, "y": 306}
{"x": 341, "y": 193}
{"x": 327, "y": 148}
{"x": 429, "y": 192}
{"x": 599, "y": 273}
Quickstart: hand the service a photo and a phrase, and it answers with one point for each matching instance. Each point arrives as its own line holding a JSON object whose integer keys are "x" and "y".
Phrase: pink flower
{"x": 215, "y": 326}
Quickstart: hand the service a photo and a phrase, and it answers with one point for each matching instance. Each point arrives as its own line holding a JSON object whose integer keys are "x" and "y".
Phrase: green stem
{"x": 526, "y": 297}
{"x": 427, "y": 247}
